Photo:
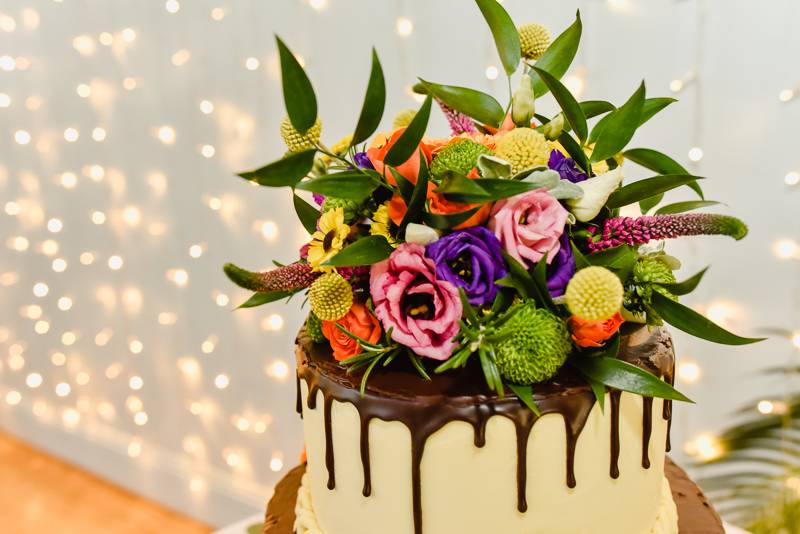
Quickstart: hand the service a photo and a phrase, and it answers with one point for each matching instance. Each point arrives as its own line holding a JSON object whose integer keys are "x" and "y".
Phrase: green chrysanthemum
{"x": 404, "y": 118}
{"x": 460, "y": 157}
{"x": 352, "y": 208}
{"x": 649, "y": 274}
{"x": 534, "y": 40}
{"x": 314, "y": 328}
{"x": 330, "y": 296}
{"x": 594, "y": 294}
{"x": 537, "y": 348}
{"x": 523, "y": 148}
{"x": 297, "y": 142}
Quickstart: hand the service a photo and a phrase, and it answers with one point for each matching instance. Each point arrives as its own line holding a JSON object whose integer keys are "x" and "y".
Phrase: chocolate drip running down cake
{"x": 442, "y": 456}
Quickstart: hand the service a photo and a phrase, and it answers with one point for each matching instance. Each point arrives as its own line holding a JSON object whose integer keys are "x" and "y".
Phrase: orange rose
{"x": 408, "y": 170}
{"x": 593, "y": 333}
{"x": 439, "y": 205}
{"x": 358, "y": 321}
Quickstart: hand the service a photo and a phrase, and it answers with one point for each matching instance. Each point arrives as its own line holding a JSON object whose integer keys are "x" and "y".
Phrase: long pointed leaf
{"x": 525, "y": 394}
{"x": 374, "y": 103}
{"x": 683, "y": 207}
{"x": 472, "y": 103}
{"x": 691, "y": 322}
{"x": 307, "y": 214}
{"x": 625, "y": 376}
{"x": 636, "y": 191}
{"x": 417, "y": 203}
{"x": 351, "y": 185}
{"x": 619, "y": 127}
{"x": 559, "y": 55}
{"x": 365, "y": 251}
{"x": 687, "y": 286}
{"x": 298, "y": 93}
{"x": 406, "y": 146}
{"x": 285, "y": 172}
{"x": 506, "y": 37}
{"x": 569, "y": 104}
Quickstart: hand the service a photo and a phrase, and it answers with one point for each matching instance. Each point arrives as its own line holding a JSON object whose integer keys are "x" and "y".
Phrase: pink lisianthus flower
{"x": 421, "y": 311}
{"x": 529, "y": 225}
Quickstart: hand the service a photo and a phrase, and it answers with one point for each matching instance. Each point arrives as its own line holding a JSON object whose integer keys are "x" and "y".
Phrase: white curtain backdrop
{"x": 122, "y": 123}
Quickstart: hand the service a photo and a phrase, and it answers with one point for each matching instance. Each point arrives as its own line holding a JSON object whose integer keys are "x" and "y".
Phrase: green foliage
{"x": 649, "y": 187}
{"x": 504, "y": 32}
{"x": 569, "y": 105}
{"x": 298, "y": 94}
{"x": 459, "y": 157}
{"x": 407, "y": 145}
{"x": 365, "y": 251}
{"x": 286, "y": 172}
{"x": 349, "y": 185}
{"x": 624, "y": 376}
{"x": 259, "y": 299}
{"x": 619, "y": 127}
{"x": 559, "y": 55}
{"x": 374, "y": 103}
{"x": 314, "y": 328}
{"x": 307, "y": 214}
{"x": 683, "y": 207}
{"x": 416, "y": 202}
{"x": 472, "y": 103}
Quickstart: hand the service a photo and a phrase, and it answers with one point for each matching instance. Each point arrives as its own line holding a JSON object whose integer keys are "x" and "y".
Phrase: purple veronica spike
{"x": 459, "y": 123}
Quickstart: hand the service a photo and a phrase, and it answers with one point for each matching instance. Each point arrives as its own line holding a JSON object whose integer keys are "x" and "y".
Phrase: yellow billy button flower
{"x": 534, "y": 40}
{"x": 381, "y": 224}
{"x": 296, "y": 141}
{"x": 523, "y": 148}
{"x": 594, "y": 294}
{"x": 404, "y": 118}
{"x": 330, "y": 297}
{"x": 329, "y": 239}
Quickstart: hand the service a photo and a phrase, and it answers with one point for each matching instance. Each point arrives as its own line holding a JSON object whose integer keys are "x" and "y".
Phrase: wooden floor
{"x": 40, "y": 494}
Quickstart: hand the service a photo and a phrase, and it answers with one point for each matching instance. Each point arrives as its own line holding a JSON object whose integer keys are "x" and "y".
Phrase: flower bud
{"x": 421, "y": 234}
{"x": 522, "y": 103}
{"x": 552, "y": 130}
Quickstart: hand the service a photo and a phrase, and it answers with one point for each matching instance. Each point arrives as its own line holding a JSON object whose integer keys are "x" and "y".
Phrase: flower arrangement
{"x": 499, "y": 245}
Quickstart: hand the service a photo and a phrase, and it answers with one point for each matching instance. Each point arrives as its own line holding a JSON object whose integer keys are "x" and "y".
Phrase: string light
{"x": 404, "y": 26}
{"x": 278, "y": 370}
{"x": 63, "y": 389}
{"x": 251, "y": 63}
{"x": 22, "y": 137}
{"x": 135, "y": 448}
{"x": 221, "y": 381}
{"x": 172, "y": 6}
{"x": 64, "y": 303}
{"x": 785, "y": 249}
{"x": 84, "y": 44}
{"x": 492, "y": 72}
{"x": 58, "y": 359}
{"x": 166, "y": 134}
{"x": 7, "y": 63}
{"x": 206, "y": 107}
{"x": 55, "y": 225}
{"x": 222, "y": 300}
{"x": 59, "y": 265}
{"x": 318, "y": 5}
{"x": 135, "y": 382}
{"x": 208, "y": 151}
{"x": 69, "y": 180}
{"x": 69, "y": 338}
{"x": 13, "y": 398}
{"x": 695, "y": 154}
{"x": 272, "y": 323}
{"x": 33, "y": 380}
{"x": 181, "y": 57}
{"x": 787, "y": 95}
{"x": 5, "y": 100}
{"x": 40, "y": 289}
{"x": 792, "y": 178}
{"x": 129, "y": 84}
{"x": 70, "y": 417}
{"x": 129, "y": 35}
{"x": 765, "y": 407}
{"x": 705, "y": 447}
{"x": 115, "y": 263}
{"x": 106, "y": 39}
{"x": 217, "y": 14}
{"x": 796, "y": 340}
{"x": 41, "y": 327}
{"x": 99, "y": 134}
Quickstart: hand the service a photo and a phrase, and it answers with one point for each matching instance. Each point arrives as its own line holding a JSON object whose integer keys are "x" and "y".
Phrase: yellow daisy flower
{"x": 381, "y": 224}
{"x": 328, "y": 240}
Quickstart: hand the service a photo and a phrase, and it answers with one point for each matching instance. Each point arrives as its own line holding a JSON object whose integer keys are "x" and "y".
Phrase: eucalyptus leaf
{"x": 472, "y": 103}
{"x": 683, "y": 207}
{"x": 636, "y": 191}
{"x": 448, "y": 221}
{"x": 624, "y": 376}
{"x": 568, "y": 103}
{"x": 350, "y": 185}
{"x": 559, "y": 55}
{"x": 259, "y": 299}
{"x": 493, "y": 167}
{"x": 285, "y": 172}
{"x": 691, "y": 322}
{"x": 525, "y": 394}
{"x": 506, "y": 37}
{"x": 620, "y": 127}
{"x": 408, "y": 143}
{"x": 298, "y": 93}
{"x": 307, "y": 214}
{"x": 365, "y": 251}
{"x": 374, "y": 103}
{"x": 687, "y": 286}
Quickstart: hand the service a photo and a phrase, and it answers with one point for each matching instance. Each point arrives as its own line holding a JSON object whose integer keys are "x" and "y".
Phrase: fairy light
{"x": 765, "y": 407}
{"x": 278, "y": 370}
{"x": 96, "y": 172}
{"x": 217, "y": 14}
{"x": 12, "y": 208}
{"x": 41, "y": 327}
{"x": 59, "y": 265}
{"x": 83, "y": 90}
{"x": 7, "y": 23}
{"x": 115, "y": 263}
{"x": 172, "y": 6}
{"x": 105, "y": 39}
{"x": 70, "y": 417}
{"x": 181, "y": 57}
{"x": 30, "y": 18}
{"x": 206, "y": 107}
{"x": 197, "y": 485}
{"x": 195, "y": 251}
{"x": 113, "y": 371}
{"x": 32, "y": 312}
{"x": 208, "y": 346}
{"x": 55, "y": 225}
{"x": 48, "y": 247}
{"x": 232, "y": 458}
{"x": 272, "y": 323}
{"x": 64, "y": 303}
{"x": 796, "y": 340}
{"x": 695, "y": 154}
{"x": 102, "y": 338}
{"x": 84, "y": 45}
{"x": 128, "y": 35}
{"x": 33, "y": 380}
{"x": 215, "y": 203}
{"x": 132, "y": 215}
{"x": 135, "y": 346}
{"x": 785, "y": 249}
{"x": 69, "y": 338}
{"x": 705, "y": 447}
{"x": 22, "y": 137}
{"x": 16, "y": 362}
{"x": 404, "y": 26}
{"x": 252, "y": 63}
{"x": 208, "y": 151}
{"x": 178, "y": 276}
{"x": 787, "y": 95}
{"x": 5, "y": 100}
{"x": 87, "y": 258}
{"x": 40, "y": 289}
{"x": 134, "y": 404}
{"x": 135, "y": 448}
{"x": 63, "y": 389}
{"x": 99, "y": 134}
{"x": 166, "y": 134}
{"x": 82, "y": 378}
{"x": 492, "y": 72}
{"x": 276, "y": 462}
{"x": 69, "y": 180}
{"x": 58, "y": 359}
{"x": 167, "y": 318}
{"x": 140, "y": 418}
{"x": 189, "y": 367}
{"x": 129, "y": 83}
{"x": 221, "y": 381}
{"x": 318, "y": 5}
{"x": 98, "y": 217}
{"x": 106, "y": 410}
{"x": 135, "y": 382}
{"x": 792, "y": 178}
{"x": 222, "y": 300}
{"x": 576, "y": 83}
{"x": 7, "y": 63}
{"x": 71, "y": 135}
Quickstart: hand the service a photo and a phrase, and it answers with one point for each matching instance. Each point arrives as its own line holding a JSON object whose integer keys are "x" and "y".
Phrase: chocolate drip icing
{"x": 669, "y": 376}
{"x": 424, "y": 407}
{"x": 298, "y": 403}
{"x": 615, "y": 397}
{"x": 647, "y": 430}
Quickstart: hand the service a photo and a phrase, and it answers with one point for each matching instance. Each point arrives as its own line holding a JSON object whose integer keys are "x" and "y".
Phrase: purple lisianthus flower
{"x": 363, "y": 161}
{"x": 471, "y": 259}
{"x": 565, "y": 167}
{"x": 562, "y": 268}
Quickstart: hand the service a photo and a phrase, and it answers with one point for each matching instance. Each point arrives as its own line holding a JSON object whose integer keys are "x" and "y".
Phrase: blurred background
{"x": 122, "y": 125}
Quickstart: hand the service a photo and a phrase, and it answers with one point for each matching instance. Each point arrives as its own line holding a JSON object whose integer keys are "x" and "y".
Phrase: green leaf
{"x": 682, "y": 207}
{"x": 366, "y": 251}
{"x": 407, "y": 145}
{"x": 518, "y": 278}
{"x": 599, "y": 391}
{"x": 691, "y": 322}
{"x": 307, "y": 214}
{"x": 653, "y": 106}
{"x": 543, "y": 292}
{"x": 482, "y": 190}
{"x": 475, "y": 104}
{"x": 506, "y": 37}
{"x": 575, "y": 151}
{"x": 446, "y": 222}
{"x": 459, "y": 188}
{"x": 417, "y": 203}
{"x": 559, "y": 55}
{"x": 646, "y": 204}
{"x": 406, "y": 188}
{"x": 259, "y": 299}
{"x": 580, "y": 258}
{"x": 619, "y": 127}
{"x": 687, "y": 286}
{"x": 625, "y": 376}
{"x": 525, "y": 394}
{"x": 286, "y": 172}
{"x": 374, "y": 103}
{"x": 617, "y": 258}
{"x": 636, "y": 191}
{"x": 655, "y": 161}
{"x": 593, "y": 108}
{"x": 350, "y": 185}
{"x": 569, "y": 105}
{"x": 298, "y": 94}
{"x": 416, "y": 362}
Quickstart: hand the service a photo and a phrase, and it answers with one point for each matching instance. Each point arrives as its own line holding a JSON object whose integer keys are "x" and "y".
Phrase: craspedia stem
{"x": 285, "y": 278}
{"x": 619, "y": 231}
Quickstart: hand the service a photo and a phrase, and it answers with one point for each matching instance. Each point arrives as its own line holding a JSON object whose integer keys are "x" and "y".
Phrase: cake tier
{"x": 444, "y": 456}
{"x": 695, "y": 514}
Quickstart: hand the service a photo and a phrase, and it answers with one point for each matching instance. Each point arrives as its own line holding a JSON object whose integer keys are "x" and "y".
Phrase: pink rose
{"x": 421, "y": 311}
{"x": 529, "y": 225}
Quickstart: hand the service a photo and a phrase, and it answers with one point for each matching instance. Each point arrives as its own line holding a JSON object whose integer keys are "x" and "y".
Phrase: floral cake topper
{"x": 500, "y": 245}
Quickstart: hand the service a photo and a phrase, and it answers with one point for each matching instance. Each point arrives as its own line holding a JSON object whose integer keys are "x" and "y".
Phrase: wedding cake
{"x": 485, "y": 349}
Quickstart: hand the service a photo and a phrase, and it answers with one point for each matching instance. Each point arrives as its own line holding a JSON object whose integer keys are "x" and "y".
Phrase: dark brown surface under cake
{"x": 695, "y": 513}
